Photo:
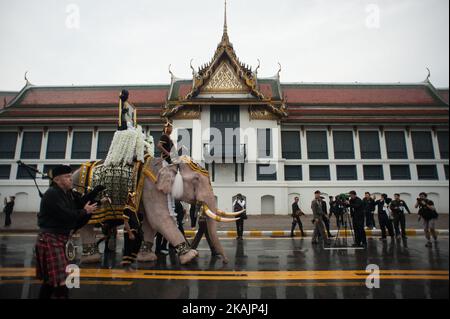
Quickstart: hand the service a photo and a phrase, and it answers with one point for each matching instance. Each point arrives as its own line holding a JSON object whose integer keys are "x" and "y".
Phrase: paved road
{"x": 28, "y": 222}
{"x": 259, "y": 268}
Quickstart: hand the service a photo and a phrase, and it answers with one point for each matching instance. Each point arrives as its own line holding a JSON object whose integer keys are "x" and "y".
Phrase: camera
{"x": 343, "y": 197}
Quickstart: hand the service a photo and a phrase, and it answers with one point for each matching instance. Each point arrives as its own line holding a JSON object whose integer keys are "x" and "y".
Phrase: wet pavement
{"x": 26, "y": 222}
{"x": 258, "y": 268}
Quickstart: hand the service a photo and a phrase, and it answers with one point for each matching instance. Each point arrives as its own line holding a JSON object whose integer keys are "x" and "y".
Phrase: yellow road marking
{"x": 82, "y": 282}
{"x": 309, "y": 284}
{"x": 242, "y": 275}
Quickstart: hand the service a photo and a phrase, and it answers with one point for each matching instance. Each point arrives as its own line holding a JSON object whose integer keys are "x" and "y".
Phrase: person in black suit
{"x": 296, "y": 214}
{"x": 357, "y": 212}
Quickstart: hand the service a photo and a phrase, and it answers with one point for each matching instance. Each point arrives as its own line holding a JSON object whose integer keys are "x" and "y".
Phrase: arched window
{"x": 268, "y": 205}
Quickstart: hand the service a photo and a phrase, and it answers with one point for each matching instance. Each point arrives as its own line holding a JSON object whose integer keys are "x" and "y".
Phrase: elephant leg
{"x": 90, "y": 253}
{"x": 169, "y": 230}
{"x": 157, "y": 213}
{"x": 214, "y": 242}
{"x": 146, "y": 254}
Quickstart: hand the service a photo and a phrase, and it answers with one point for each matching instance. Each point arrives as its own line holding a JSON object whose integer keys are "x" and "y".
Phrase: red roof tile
{"x": 361, "y": 95}
{"x": 444, "y": 94}
{"x": 72, "y": 104}
{"x": 298, "y": 94}
{"x": 6, "y": 97}
{"x": 92, "y": 96}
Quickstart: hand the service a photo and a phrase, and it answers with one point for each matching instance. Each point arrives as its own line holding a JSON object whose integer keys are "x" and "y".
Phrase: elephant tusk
{"x": 213, "y": 216}
{"x": 222, "y": 213}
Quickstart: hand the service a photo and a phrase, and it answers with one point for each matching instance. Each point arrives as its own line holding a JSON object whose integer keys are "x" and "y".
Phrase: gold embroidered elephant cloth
{"x": 120, "y": 183}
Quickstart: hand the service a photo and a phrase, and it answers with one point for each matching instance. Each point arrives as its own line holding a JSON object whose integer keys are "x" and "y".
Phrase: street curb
{"x": 309, "y": 233}
{"x": 264, "y": 233}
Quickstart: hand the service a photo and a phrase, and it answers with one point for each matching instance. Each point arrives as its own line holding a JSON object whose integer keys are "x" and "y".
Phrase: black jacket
{"x": 399, "y": 206}
{"x": 357, "y": 208}
{"x": 8, "y": 209}
{"x": 380, "y": 205}
{"x": 324, "y": 207}
{"x": 59, "y": 212}
{"x": 368, "y": 204}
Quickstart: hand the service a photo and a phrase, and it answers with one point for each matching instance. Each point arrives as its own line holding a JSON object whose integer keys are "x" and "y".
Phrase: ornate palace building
{"x": 294, "y": 138}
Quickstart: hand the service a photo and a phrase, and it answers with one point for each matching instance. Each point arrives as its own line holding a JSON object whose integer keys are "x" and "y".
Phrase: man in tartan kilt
{"x": 58, "y": 215}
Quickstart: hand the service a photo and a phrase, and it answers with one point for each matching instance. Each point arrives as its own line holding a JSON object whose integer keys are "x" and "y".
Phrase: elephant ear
{"x": 166, "y": 177}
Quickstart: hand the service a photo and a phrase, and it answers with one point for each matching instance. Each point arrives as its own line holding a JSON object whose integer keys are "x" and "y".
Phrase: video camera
{"x": 343, "y": 197}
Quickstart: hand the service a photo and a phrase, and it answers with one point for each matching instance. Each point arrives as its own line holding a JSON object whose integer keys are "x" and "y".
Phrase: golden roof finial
{"x": 225, "y": 26}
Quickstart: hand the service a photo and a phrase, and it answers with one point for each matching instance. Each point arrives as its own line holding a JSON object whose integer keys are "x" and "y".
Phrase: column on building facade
{"x": 94, "y": 144}
{"x": 69, "y": 144}
{"x": 437, "y": 156}
{"x": 304, "y": 154}
{"x": 331, "y": 157}
{"x": 411, "y": 158}
{"x": 384, "y": 156}
{"x": 44, "y": 145}
{"x": 358, "y": 160}
{"x": 14, "y": 166}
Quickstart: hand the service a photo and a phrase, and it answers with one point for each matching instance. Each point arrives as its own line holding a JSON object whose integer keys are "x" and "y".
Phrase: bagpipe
{"x": 80, "y": 199}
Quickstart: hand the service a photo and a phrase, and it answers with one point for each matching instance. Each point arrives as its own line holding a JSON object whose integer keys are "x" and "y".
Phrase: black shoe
{"x": 292, "y": 235}
{"x": 330, "y": 235}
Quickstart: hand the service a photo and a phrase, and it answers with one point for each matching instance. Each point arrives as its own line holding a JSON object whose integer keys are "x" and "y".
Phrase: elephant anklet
{"x": 146, "y": 246}
{"x": 182, "y": 248}
{"x": 90, "y": 249}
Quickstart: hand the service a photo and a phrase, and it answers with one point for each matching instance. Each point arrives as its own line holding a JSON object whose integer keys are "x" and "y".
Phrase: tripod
{"x": 347, "y": 223}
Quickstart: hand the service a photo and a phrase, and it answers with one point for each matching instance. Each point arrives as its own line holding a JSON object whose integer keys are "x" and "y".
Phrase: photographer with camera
{"x": 339, "y": 209}
{"x": 398, "y": 208}
{"x": 428, "y": 213}
{"x": 383, "y": 216}
{"x": 357, "y": 212}
{"x": 319, "y": 227}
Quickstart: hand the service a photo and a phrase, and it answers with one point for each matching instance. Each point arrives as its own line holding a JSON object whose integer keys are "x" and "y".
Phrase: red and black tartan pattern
{"x": 51, "y": 260}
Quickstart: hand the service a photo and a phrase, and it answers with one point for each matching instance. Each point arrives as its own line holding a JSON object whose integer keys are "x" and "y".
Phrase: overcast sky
{"x": 132, "y": 42}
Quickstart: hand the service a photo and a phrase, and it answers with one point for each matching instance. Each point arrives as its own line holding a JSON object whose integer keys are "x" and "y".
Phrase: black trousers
{"x": 297, "y": 221}
{"x": 161, "y": 243}
{"x": 370, "y": 219}
{"x": 132, "y": 246}
{"x": 400, "y": 222}
{"x": 326, "y": 221}
{"x": 193, "y": 215}
{"x": 358, "y": 228}
{"x": 7, "y": 219}
{"x": 202, "y": 229}
{"x": 385, "y": 223}
{"x": 240, "y": 227}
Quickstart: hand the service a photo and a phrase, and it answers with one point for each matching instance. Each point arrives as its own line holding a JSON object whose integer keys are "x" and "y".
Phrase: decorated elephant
{"x": 184, "y": 180}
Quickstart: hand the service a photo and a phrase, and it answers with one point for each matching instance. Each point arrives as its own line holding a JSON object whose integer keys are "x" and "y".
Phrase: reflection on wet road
{"x": 258, "y": 268}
